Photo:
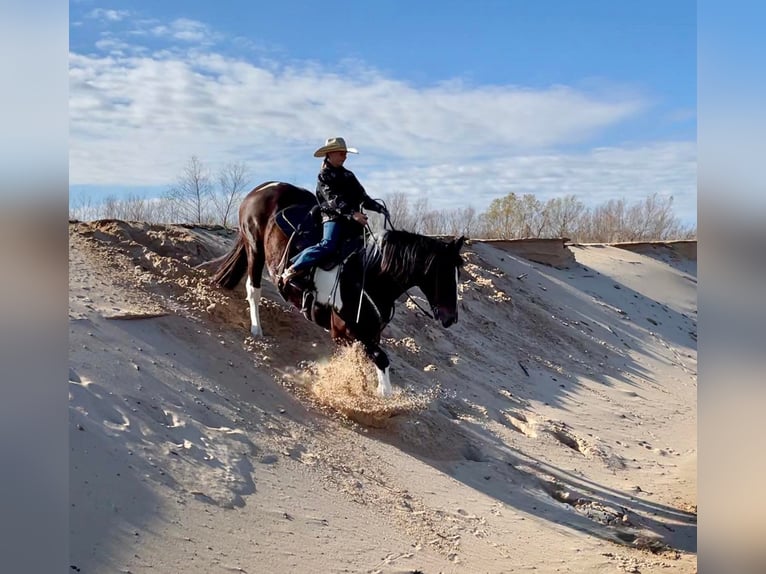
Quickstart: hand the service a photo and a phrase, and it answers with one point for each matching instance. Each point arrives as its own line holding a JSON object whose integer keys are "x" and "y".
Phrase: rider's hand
{"x": 360, "y": 217}
{"x": 382, "y": 209}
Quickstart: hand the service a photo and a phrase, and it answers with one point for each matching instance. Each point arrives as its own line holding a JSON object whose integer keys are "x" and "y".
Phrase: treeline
{"x": 522, "y": 216}
{"x": 198, "y": 197}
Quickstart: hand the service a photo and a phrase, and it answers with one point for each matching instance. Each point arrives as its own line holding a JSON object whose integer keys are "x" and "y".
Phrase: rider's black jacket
{"x": 340, "y": 194}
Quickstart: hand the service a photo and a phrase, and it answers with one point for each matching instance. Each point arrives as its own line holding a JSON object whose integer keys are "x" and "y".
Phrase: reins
{"x": 367, "y": 233}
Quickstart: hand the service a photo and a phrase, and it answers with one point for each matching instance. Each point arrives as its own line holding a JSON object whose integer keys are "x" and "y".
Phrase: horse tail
{"x": 233, "y": 265}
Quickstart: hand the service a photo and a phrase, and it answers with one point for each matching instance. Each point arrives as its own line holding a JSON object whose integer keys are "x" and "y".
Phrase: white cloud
{"x": 186, "y": 30}
{"x": 116, "y": 47}
{"x": 136, "y": 119}
{"x": 109, "y": 15}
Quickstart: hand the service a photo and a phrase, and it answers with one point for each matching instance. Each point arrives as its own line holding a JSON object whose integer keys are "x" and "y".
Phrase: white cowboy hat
{"x": 334, "y": 144}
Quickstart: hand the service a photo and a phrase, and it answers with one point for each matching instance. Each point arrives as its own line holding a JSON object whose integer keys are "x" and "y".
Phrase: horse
{"x": 353, "y": 300}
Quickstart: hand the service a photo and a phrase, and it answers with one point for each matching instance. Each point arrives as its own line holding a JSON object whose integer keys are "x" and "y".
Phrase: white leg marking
{"x": 254, "y": 299}
{"x": 384, "y": 382}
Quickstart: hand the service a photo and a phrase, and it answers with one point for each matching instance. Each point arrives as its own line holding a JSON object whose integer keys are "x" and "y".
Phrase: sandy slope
{"x": 553, "y": 428}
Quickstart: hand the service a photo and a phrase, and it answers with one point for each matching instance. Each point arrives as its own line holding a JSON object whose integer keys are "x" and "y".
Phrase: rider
{"x": 341, "y": 198}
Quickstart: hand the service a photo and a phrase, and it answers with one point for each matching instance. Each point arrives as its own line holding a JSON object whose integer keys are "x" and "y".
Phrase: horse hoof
{"x": 256, "y": 332}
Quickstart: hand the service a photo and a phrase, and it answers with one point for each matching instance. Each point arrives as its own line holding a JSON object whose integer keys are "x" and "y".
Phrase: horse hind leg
{"x": 255, "y": 261}
{"x": 253, "y": 300}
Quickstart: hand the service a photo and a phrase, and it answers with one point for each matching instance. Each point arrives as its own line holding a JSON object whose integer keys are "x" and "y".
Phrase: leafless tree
{"x": 532, "y": 216}
{"x": 615, "y": 220}
{"x": 232, "y": 182}
{"x": 110, "y": 208}
{"x": 83, "y": 208}
{"x": 649, "y": 220}
{"x": 399, "y": 209}
{"x": 191, "y": 193}
{"x": 133, "y": 208}
{"x": 460, "y": 221}
{"x": 657, "y": 217}
{"x": 564, "y": 216}
{"x": 425, "y": 220}
{"x": 500, "y": 221}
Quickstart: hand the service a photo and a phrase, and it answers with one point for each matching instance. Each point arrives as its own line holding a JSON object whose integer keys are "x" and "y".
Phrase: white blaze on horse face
{"x": 328, "y": 291}
{"x": 384, "y": 382}
{"x": 457, "y": 286}
{"x": 254, "y": 299}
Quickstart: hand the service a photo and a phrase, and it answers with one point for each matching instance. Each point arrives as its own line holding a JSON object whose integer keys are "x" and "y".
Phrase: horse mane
{"x": 404, "y": 254}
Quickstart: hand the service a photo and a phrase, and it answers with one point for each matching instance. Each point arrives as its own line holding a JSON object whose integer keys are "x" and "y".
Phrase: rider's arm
{"x": 338, "y": 192}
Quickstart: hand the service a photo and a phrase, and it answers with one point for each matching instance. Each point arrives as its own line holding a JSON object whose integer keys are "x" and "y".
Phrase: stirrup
{"x": 287, "y": 276}
{"x": 301, "y": 279}
{"x": 307, "y": 304}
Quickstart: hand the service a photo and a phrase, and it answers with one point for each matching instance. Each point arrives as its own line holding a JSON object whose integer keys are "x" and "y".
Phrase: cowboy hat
{"x": 334, "y": 144}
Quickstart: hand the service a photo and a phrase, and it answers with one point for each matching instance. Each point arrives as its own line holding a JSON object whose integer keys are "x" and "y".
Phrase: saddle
{"x": 303, "y": 224}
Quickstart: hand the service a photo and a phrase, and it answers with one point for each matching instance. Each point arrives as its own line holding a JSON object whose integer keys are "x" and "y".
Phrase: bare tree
{"x": 564, "y": 216}
{"x": 191, "y": 192}
{"x": 133, "y": 208}
{"x": 110, "y": 208}
{"x": 83, "y": 208}
{"x": 433, "y": 222}
{"x": 424, "y": 219}
{"x": 500, "y": 221}
{"x": 609, "y": 221}
{"x": 469, "y": 222}
{"x": 658, "y": 219}
{"x": 532, "y": 216}
{"x": 460, "y": 221}
{"x": 232, "y": 181}
{"x": 649, "y": 220}
{"x": 398, "y": 206}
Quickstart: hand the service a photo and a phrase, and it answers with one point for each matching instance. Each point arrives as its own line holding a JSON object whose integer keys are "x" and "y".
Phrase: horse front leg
{"x": 382, "y": 367}
{"x": 339, "y": 331}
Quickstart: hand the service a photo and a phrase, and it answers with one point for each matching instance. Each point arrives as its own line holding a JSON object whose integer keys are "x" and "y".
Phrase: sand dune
{"x": 553, "y": 427}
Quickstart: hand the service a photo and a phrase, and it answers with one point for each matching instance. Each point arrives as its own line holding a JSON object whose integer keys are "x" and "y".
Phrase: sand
{"x": 553, "y": 428}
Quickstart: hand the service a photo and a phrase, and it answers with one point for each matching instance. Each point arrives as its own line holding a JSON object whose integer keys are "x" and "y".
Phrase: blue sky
{"x": 457, "y": 102}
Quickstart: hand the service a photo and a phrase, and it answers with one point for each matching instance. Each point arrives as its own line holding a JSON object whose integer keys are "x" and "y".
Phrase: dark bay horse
{"x": 355, "y": 300}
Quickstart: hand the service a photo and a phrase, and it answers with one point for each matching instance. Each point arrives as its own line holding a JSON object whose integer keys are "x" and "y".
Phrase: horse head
{"x": 440, "y": 282}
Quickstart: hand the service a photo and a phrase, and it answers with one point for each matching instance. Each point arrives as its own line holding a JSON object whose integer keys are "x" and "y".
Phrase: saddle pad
{"x": 299, "y": 220}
